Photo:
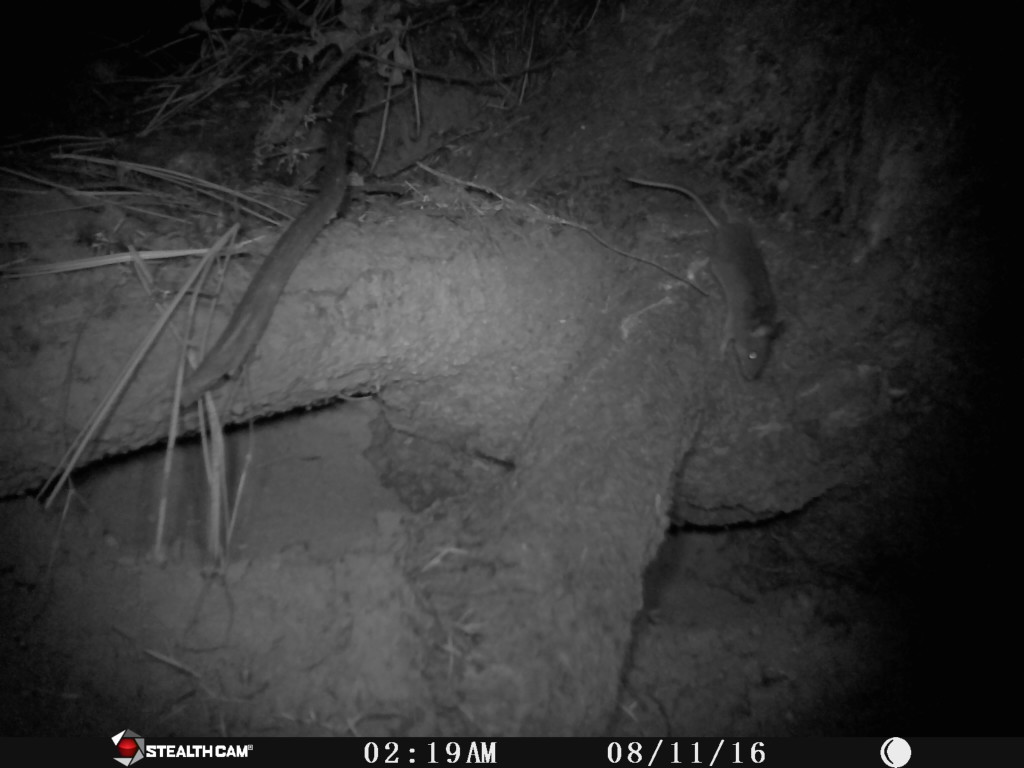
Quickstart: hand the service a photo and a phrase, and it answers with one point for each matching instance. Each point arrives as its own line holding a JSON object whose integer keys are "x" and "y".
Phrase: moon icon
{"x": 895, "y": 752}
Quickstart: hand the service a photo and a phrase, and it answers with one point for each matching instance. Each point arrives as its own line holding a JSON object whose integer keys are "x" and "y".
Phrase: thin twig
{"x": 550, "y": 218}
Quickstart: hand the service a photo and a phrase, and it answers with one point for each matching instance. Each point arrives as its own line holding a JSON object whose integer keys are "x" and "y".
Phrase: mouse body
{"x": 739, "y": 268}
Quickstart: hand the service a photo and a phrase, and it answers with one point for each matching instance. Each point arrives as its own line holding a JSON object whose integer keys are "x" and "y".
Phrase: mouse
{"x": 739, "y": 268}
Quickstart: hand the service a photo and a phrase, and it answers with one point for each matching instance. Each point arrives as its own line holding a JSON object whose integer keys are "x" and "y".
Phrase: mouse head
{"x": 753, "y": 348}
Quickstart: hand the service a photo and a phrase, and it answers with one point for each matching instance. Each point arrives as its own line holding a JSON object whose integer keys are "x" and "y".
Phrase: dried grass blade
{"x": 74, "y": 453}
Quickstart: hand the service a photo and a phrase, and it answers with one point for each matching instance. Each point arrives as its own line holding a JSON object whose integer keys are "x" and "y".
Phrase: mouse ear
{"x": 768, "y": 330}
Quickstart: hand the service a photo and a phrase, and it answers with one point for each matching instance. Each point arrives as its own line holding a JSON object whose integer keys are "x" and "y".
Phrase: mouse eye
{"x": 752, "y": 355}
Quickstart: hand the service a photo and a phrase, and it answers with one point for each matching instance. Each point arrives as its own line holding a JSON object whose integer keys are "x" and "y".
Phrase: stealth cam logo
{"x": 130, "y": 746}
